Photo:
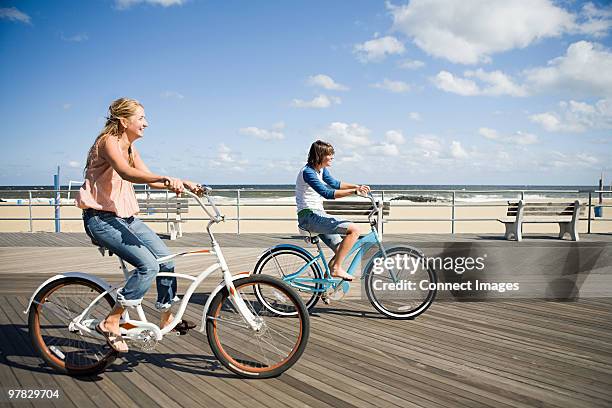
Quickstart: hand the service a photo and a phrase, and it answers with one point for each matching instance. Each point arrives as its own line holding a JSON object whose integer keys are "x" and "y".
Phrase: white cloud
{"x": 392, "y": 86}
{"x": 595, "y": 22}
{"x": 416, "y": 116}
{"x": 126, "y": 4}
{"x": 171, "y": 95}
{"x": 497, "y": 82}
{"x": 326, "y": 82}
{"x": 13, "y": 14}
{"x": 75, "y": 38}
{"x": 470, "y": 31}
{"x": 264, "y": 134}
{"x": 449, "y": 83}
{"x": 586, "y": 67}
{"x": 519, "y": 138}
{"x": 228, "y": 159}
{"x": 74, "y": 164}
{"x": 384, "y": 149}
{"x": 560, "y": 160}
{"x": 430, "y": 145}
{"x": 411, "y": 64}
{"x": 395, "y": 137}
{"x": 457, "y": 151}
{"x": 378, "y": 49}
{"x": 348, "y": 135}
{"x": 319, "y": 102}
{"x": 575, "y": 116}
{"x": 587, "y": 158}
{"x": 493, "y": 83}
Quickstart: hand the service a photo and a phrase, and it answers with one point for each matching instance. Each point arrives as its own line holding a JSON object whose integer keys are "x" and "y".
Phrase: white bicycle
{"x": 243, "y": 334}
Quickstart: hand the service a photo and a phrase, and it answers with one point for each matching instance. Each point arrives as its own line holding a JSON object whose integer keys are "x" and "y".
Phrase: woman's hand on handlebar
{"x": 173, "y": 184}
{"x": 363, "y": 190}
{"x": 195, "y": 188}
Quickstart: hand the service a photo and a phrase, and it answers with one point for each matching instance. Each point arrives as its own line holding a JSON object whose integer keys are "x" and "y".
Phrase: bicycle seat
{"x": 309, "y": 237}
{"x": 101, "y": 247}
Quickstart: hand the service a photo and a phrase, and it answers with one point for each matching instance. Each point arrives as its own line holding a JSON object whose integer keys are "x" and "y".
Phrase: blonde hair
{"x": 121, "y": 108}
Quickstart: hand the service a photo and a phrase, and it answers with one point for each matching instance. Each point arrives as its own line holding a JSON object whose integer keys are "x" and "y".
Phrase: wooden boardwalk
{"x": 507, "y": 353}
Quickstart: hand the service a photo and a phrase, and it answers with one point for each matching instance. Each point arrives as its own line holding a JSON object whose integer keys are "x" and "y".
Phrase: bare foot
{"x": 341, "y": 273}
{"x": 165, "y": 320}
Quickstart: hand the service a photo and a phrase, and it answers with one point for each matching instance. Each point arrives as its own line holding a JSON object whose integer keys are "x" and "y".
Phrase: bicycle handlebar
{"x": 207, "y": 190}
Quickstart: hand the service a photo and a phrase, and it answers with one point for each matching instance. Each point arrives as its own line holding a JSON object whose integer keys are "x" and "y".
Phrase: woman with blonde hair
{"x": 109, "y": 206}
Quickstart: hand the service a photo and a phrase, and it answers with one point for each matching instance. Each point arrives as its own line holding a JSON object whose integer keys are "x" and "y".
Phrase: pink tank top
{"x": 105, "y": 190}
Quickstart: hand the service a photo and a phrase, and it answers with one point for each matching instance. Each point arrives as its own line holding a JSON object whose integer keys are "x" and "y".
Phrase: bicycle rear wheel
{"x": 61, "y": 344}
{"x": 282, "y": 261}
{"x": 405, "y": 290}
{"x": 276, "y": 346}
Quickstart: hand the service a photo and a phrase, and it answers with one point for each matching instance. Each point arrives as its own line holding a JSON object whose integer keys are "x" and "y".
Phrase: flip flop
{"x": 112, "y": 339}
{"x": 184, "y": 326}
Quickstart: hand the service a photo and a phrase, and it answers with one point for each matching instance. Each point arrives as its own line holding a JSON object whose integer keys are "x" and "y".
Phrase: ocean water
{"x": 284, "y": 192}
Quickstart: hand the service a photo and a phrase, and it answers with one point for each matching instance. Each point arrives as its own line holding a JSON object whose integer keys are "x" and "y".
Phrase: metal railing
{"x": 450, "y": 201}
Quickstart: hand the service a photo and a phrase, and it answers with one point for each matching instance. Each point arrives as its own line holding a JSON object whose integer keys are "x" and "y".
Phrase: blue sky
{"x": 418, "y": 92}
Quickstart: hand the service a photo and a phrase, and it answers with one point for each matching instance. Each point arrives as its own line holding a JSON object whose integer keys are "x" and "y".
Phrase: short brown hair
{"x": 318, "y": 151}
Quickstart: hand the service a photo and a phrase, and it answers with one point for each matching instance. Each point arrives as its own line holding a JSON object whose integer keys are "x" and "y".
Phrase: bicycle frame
{"x": 227, "y": 282}
{"x": 358, "y": 249}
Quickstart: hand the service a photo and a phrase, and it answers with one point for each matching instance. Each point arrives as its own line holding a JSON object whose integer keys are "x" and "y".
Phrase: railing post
{"x": 589, "y": 220}
{"x": 167, "y": 214}
{"x": 238, "y": 211}
{"x": 523, "y": 195}
{"x": 30, "y": 209}
{"x": 453, "y": 215}
{"x": 56, "y": 182}
{"x": 382, "y": 215}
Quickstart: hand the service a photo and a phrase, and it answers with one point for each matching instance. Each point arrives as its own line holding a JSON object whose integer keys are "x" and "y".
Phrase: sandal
{"x": 112, "y": 339}
{"x": 184, "y": 326}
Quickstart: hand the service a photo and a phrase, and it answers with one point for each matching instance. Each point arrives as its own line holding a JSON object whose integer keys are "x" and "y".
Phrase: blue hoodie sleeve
{"x": 332, "y": 182}
{"x": 310, "y": 177}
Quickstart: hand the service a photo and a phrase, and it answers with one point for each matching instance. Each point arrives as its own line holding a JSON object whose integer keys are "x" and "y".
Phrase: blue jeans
{"x": 135, "y": 243}
{"x": 328, "y": 227}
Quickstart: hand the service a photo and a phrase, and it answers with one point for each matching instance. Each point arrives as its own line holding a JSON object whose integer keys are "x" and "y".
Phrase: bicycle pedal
{"x": 326, "y": 299}
{"x": 181, "y": 332}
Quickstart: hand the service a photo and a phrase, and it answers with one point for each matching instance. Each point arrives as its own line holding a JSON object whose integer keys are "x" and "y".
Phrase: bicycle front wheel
{"x": 62, "y": 344}
{"x": 275, "y": 346}
{"x": 404, "y": 290}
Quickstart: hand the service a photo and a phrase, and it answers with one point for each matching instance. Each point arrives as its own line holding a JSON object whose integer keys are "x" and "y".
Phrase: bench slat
{"x": 145, "y": 211}
{"x": 346, "y": 205}
{"x": 355, "y": 212}
{"x": 156, "y": 207}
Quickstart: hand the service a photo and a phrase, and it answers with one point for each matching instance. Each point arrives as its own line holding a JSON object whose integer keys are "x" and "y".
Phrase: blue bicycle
{"x": 398, "y": 281}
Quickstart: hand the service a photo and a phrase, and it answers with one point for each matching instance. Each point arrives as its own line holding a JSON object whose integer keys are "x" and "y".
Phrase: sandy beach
{"x": 282, "y": 219}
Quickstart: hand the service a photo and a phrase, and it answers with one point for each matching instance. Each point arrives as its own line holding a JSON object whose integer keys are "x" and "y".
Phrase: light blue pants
{"x": 327, "y": 226}
{"x": 135, "y": 243}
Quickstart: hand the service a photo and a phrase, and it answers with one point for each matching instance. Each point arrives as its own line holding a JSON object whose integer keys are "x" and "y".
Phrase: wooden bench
{"x": 355, "y": 211}
{"x": 563, "y": 213}
{"x": 169, "y": 210}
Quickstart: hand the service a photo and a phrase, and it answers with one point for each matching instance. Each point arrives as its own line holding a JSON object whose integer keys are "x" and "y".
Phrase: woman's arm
{"x": 343, "y": 189}
{"x": 112, "y": 153}
{"x": 140, "y": 165}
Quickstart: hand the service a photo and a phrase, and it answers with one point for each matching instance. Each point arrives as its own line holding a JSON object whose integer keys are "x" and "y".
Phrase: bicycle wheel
{"x": 271, "y": 350}
{"x": 403, "y": 291}
{"x": 280, "y": 262}
{"x": 63, "y": 347}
